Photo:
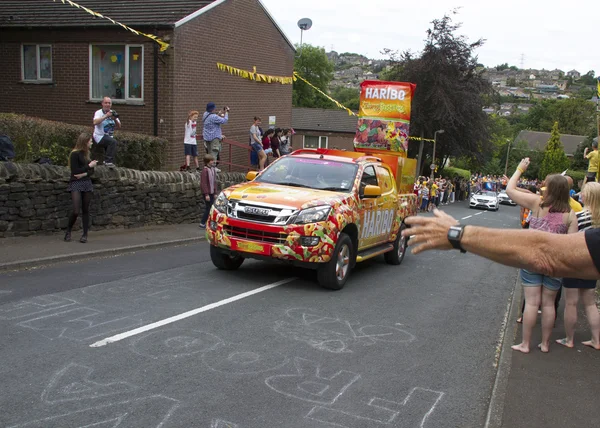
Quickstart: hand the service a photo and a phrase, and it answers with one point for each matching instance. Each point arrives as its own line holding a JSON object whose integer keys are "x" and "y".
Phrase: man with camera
{"x": 212, "y": 128}
{"x": 105, "y": 121}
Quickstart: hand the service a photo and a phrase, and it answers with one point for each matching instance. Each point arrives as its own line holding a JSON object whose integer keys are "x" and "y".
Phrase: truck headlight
{"x": 313, "y": 215}
{"x": 221, "y": 203}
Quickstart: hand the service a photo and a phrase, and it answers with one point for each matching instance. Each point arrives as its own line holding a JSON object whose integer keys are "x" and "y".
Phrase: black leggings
{"x": 84, "y": 203}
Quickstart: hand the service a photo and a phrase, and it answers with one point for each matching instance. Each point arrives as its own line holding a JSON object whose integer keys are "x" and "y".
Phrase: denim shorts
{"x": 257, "y": 147}
{"x": 532, "y": 279}
{"x": 191, "y": 150}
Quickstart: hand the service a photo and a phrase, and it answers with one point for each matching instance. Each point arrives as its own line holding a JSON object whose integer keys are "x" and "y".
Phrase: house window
{"x": 36, "y": 62}
{"x": 312, "y": 142}
{"x": 117, "y": 71}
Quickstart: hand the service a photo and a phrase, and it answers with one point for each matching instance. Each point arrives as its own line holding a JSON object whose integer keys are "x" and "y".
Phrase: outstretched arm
{"x": 547, "y": 253}
{"x": 526, "y": 200}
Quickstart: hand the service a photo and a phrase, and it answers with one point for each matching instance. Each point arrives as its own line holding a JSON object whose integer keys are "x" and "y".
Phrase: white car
{"x": 485, "y": 199}
{"x": 505, "y": 199}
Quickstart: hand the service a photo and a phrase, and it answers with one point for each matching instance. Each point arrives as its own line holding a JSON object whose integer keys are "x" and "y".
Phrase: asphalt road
{"x": 163, "y": 339}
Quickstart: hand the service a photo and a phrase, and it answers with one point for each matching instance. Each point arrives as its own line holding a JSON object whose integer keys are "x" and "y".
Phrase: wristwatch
{"x": 454, "y": 236}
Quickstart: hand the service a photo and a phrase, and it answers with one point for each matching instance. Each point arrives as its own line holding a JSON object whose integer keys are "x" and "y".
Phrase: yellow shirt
{"x": 593, "y": 157}
{"x": 434, "y": 188}
{"x": 575, "y": 206}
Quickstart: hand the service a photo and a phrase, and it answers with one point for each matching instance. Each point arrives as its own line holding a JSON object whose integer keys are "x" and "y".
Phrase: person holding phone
{"x": 80, "y": 185}
{"x": 105, "y": 122}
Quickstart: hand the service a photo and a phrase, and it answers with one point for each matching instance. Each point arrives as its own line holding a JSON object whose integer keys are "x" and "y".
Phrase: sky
{"x": 537, "y": 34}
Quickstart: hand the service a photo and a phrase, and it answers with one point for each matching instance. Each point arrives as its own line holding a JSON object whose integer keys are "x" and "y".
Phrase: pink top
{"x": 551, "y": 222}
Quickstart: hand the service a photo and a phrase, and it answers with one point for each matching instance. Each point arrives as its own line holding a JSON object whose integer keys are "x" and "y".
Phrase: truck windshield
{"x": 318, "y": 174}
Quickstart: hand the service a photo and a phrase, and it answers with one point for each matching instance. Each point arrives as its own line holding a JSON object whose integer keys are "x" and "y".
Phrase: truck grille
{"x": 260, "y": 213}
{"x": 255, "y": 235}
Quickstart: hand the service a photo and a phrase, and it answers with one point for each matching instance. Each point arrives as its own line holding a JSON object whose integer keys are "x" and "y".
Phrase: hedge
{"x": 34, "y": 138}
{"x": 456, "y": 172}
{"x": 577, "y": 177}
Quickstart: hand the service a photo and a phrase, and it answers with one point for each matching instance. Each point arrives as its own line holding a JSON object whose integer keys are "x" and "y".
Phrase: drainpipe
{"x": 155, "y": 89}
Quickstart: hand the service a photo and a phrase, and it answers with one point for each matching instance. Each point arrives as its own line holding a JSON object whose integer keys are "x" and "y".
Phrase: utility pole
{"x": 439, "y": 131}
{"x": 507, "y": 153}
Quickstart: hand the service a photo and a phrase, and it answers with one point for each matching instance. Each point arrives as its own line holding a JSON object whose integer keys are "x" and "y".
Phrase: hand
{"x": 585, "y": 151}
{"x": 207, "y": 198}
{"x": 524, "y": 164}
{"x": 93, "y": 164}
{"x": 109, "y": 114}
{"x": 430, "y": 232}
{"x": 223, "y": 137}
{"x": 78, "y": 176}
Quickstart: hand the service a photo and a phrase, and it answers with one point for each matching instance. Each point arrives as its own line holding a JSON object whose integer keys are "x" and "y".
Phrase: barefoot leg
{"x": 591, "y": 310}
{"x": 548, "y": 316}
{"x": 532, "y": 302}
{"x": 571, "y": 300}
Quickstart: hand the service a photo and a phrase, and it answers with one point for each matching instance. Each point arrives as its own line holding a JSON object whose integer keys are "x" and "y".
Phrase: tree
{"x": 555, "y": 159}
{"x": 312, "y": 64}
{"x": 449, "y": 92}
{"x": 579, "y": 162}
{"x": 588, "y": 78}
{"x": 575, "y": 116}
{"x": 350, "y": 97}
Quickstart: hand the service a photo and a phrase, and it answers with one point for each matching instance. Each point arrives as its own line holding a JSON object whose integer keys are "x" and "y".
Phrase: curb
{"x": 504, "y": 362}
{"x": 45, "y": 261}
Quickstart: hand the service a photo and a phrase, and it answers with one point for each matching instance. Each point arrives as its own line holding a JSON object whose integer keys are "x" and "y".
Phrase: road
{"x": 162, "y": 339}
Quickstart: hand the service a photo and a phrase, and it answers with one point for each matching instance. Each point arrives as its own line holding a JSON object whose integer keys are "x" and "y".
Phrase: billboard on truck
{"x": 384, "y": 116}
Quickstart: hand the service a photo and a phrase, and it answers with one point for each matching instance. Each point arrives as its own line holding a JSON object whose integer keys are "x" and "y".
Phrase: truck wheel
{"x": 396, "y": 256}
{"x": 223, "y": 260}
{"x": 333, "y": 274}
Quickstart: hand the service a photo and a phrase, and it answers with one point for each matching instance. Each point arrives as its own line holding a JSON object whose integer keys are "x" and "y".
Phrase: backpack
{"x": 7, "y": 149}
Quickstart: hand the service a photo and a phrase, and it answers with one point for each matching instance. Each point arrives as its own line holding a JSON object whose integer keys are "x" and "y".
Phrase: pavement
{"x": 558, "y": 389}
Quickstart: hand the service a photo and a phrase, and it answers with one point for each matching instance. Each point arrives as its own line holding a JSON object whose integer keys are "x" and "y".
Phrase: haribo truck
{"x": 320, "y": 209}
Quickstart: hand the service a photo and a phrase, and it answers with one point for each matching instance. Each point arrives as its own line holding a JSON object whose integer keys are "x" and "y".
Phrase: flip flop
{"x": 563, "y": 342}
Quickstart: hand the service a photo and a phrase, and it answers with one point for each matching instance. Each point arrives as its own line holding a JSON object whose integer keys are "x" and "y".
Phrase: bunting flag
{"x": 253, "y": 75}
{"x": 163, "y": 45}
{"x": 337, "y": 103}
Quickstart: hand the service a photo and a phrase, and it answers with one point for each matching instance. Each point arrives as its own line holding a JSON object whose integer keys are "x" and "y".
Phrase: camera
{"x": 225, "y": 109}
{"x": 115, "y": 115}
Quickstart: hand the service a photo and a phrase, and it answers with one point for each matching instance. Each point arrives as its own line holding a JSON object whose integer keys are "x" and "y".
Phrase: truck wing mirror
{"x": 251, "y": 175}
{"x": 371, "y": 191}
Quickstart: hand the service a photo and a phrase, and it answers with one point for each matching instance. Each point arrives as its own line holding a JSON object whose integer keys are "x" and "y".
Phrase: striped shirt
{"x": 584, "y": 220}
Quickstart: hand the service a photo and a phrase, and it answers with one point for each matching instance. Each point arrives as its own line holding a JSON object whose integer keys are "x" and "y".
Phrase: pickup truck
{"x": 321, "y": 209}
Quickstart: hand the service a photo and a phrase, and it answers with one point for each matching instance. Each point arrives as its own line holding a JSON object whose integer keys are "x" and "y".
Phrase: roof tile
{"x": 316, "y": 119}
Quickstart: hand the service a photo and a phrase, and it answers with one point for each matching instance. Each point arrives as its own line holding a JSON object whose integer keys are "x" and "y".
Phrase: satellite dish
{"x": 305, "y": 24}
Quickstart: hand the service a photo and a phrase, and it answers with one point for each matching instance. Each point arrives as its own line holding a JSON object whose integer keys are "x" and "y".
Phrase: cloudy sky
{"x": 549, "y": 34}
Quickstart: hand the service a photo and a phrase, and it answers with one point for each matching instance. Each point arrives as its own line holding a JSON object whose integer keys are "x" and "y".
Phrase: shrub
{"x": 456, "y": 172}
{"x": 34, "y": 138}
{"x": 577, "y": 177}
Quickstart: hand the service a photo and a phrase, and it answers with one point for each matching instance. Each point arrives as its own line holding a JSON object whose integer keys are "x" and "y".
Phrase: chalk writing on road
{"x": 334, "y": 334}
{"x": 34, "y": 306}
{"x": 413, "y": 412}
{"x": 72, "y": 383}
{"x": 174, "y": 343}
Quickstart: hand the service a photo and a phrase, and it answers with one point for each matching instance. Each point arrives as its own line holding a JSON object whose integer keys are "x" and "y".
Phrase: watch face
{"x": 454, "y": 233}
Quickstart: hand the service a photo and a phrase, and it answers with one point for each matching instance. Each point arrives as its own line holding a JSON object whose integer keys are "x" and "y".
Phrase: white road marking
{"x": 479, "y": 213}
{"x": 188, "y": 314}
{"x": 464, "y": 218}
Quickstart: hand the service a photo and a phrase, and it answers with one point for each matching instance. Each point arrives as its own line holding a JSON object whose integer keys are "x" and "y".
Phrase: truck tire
{"x": 224, "y": 261}
{"x": 333, "y": 274}
{"x": 396, "y": 256}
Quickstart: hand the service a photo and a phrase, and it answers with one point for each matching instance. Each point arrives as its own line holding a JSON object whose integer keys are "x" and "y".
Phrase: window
{"x": 312, "y": 142}
{"x": 117, "y": 71}
{"x": 387, "y": 185}
{"x": 369, "y": 178}
{"x": 36, "y": 63}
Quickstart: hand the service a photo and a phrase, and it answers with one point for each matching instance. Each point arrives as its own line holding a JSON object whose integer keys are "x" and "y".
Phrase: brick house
{"x": 321, "y": 128}
{"x": 59, "y": 61}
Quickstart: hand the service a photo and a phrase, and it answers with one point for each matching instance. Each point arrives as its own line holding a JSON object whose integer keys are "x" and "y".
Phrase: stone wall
{"x": 34, "y": 198}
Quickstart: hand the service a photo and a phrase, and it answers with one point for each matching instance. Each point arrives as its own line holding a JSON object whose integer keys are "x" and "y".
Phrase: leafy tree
{"x": 350, "y": 97}
{"x": 312, "y": 63}
{"x": 588, "y": 78}
{"x": 501, "y": 67}
{"x": 449, "y": 92}
{"x": 575, "y": 116}
{"x": 555, "y": 159}
{"x": 578, "y": 162}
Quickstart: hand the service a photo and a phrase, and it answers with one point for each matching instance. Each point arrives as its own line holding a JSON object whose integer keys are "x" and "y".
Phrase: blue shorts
{"x": 532, "y": 279}
{"x": 191, "y": 150}
{"x": 257, "y": 147}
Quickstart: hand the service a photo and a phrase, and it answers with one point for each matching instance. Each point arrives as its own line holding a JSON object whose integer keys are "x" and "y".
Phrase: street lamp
{"x": 439, "y": 131}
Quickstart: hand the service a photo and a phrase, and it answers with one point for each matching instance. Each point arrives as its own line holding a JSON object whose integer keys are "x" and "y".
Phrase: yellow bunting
{"x": 422, "y": 139}
{"x": 253, "y": 75}
{"x": 337, "y": 103}
{"x": 163, "y": 45}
